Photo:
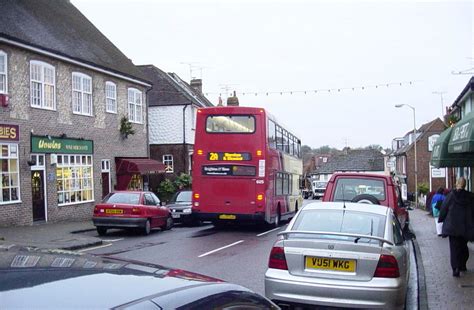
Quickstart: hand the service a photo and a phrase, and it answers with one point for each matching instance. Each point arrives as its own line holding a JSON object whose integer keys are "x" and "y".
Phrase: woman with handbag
{"x": 436, "y": 203}
{"x": 457, "y": 216}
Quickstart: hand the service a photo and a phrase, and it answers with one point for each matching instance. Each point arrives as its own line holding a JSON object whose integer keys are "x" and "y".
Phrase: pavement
{"x": 438, "y": 289}
{"x": 62, "y": 235}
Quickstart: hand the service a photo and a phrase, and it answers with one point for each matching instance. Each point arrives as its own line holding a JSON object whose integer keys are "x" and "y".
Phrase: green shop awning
{"x": 462, "y": 137}
{"x": 441, "y": 157}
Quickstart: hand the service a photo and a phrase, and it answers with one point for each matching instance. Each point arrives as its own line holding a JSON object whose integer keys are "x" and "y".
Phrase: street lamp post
{"x": 414, "y": 136}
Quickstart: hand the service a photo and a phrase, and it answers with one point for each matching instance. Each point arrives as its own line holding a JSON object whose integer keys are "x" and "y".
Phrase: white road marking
{"x": 267, "y": 232}
{"x": 112, "y": 240}
{"x": 224, "y": 247}
{"x": 95, "y": 248}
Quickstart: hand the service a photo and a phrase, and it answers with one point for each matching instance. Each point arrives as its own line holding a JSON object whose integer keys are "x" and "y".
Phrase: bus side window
{"x": 271, "y": 134}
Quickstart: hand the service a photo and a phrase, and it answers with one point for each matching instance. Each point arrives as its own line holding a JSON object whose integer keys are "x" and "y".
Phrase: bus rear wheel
{"x": 277, "y": 218}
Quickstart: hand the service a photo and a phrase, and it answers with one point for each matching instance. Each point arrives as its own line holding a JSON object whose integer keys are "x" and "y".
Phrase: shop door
{"x": 105, "y": 177}
{"x": 37, "y": 189}
{"x": 105, "y": 184}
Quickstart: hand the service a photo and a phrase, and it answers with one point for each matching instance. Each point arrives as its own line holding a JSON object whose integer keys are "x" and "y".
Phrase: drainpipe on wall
{"x": 184, "y": 136}
{"x": 147, "y": 124}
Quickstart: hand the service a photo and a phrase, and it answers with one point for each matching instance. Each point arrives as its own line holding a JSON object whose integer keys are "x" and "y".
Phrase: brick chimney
{"x": 233, "y": 101}
{"x": 197, "y": 85}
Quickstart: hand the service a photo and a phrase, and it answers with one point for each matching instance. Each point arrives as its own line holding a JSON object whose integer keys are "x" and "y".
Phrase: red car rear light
{"x": 136, "y": 211}
{"x": 96, "y": 210}
{"x": 387, "y": 267}
{"x": 277, "y": 258}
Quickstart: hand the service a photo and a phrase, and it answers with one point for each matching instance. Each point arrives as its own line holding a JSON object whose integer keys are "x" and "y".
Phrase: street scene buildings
{"x": 81, "y": 121}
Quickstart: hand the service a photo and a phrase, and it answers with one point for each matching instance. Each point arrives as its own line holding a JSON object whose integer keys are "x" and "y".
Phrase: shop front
{"x": 133, "y": 173}
{"x": 455, "y": 148}
{"x": 72, "y": 161}
{"x": 9, "y": 146}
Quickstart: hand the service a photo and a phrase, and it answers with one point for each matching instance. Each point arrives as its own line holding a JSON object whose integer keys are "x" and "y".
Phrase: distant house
{"x": 172, "y": 120}
{"x": 352, "y": 160}
{"x": 405, "y": 157}
{"x": 64, "y": 90}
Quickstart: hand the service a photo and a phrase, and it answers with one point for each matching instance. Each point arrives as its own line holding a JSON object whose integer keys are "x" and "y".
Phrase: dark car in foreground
{"x": 180, "y": 206}
{"x": 131, "y": 210}
{"x": 340, "y": 254}
{"x": 52, "y": 279}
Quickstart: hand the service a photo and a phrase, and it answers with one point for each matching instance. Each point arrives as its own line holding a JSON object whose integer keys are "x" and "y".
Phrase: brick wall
{"x": 180, "y": 166}
{"x": 423, "y": 160}
{"x": 102, "y": 128}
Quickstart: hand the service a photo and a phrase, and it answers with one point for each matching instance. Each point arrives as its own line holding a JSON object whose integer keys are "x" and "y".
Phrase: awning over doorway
{"x": 139, "y": 166}
{"x": 441, "y": 157}
{"x": 462, "y": 137}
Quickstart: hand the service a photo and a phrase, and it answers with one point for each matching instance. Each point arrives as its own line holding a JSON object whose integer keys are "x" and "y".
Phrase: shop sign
{"x": 61, "y": 146}
{"x": 9, "y": 132}
{"x": 438, "y": 172}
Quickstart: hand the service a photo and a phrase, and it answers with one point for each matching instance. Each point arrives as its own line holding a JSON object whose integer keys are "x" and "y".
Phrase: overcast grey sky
{"x": 264, "y": 46}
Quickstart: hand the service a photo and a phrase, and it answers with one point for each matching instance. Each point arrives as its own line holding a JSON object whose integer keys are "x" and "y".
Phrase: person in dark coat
{"x": 456, "y": 214}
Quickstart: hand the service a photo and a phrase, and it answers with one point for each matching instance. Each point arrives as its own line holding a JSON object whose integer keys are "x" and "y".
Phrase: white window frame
{"x": 110, "y": 96}
{"x": 81, "y": 91}
{"x": 133, "y": 106}
{"x": 75, "y": 179}
{"x": 168, "y": 158}
{"x": 42, "y": 84}
{"x": 9, "y": 157}
{"x": 4, "y": 73}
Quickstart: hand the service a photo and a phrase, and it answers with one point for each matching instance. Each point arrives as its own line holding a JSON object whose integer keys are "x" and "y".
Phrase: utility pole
{"x": 440, "y": 93}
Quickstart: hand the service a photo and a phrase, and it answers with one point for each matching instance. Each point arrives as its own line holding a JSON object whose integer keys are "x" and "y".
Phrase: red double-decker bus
{"x": 247, "y": 167}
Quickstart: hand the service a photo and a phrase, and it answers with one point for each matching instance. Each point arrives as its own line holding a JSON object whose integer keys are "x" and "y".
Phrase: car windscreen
{"x": 320, "y": 184}
{"x": 348, "y": 188}
{"x": 185, "y": 196}
{"x": 125, "y": 198}
{"x": 230, "y": 124}
{"x": 340, "y": 221}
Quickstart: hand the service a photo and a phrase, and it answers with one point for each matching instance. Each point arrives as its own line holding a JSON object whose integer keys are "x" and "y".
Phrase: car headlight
{"x": 187, "y": 211}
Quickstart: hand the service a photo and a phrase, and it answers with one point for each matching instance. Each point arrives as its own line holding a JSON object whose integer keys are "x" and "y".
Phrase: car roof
{"x": 348, "y": 206}
{"x": 361, "y": 175}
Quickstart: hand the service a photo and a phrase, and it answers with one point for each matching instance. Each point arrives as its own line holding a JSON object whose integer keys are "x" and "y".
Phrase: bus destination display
{"x": 229, "y": 170}
{"x": 228, "y": 156}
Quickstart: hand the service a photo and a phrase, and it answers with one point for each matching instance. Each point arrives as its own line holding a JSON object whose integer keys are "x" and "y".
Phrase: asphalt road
{"x": 236, "y": 254}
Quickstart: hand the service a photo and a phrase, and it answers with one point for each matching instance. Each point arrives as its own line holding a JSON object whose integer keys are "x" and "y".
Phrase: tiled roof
{"x": 354, "y": 160}
{"x": 170, "y": 89}
{"x": 423, "y": 130}
{"x": 60, "y": 28}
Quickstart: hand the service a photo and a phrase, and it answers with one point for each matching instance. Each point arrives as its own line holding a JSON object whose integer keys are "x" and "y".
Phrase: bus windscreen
{"x": 230, "y": 124}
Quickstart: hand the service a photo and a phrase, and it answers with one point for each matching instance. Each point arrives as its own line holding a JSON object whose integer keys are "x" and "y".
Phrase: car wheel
{"x": 102, "y": 231}
{"x": 365, "y": 198}
{"x": 147, "y": 229}
{"x": 169, "y": 223}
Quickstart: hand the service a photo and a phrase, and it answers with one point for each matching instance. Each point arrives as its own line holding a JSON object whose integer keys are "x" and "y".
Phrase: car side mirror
{"x": 162, "y": 203}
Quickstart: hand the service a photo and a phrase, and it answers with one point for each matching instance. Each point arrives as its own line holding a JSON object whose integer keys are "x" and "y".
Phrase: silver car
{"x": 340, "y": 254}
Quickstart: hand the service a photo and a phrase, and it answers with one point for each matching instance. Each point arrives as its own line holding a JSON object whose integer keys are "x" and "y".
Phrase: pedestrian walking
{"x": 436, "y": 203}
{"x": 457, "y": 216}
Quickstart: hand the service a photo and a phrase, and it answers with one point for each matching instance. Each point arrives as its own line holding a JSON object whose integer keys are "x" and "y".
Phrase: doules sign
{"x": 61, "y": 145}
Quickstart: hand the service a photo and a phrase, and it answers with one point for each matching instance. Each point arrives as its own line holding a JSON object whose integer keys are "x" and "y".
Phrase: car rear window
{"x": 182, "y": 197}
{"x": 340, "y": 221}
{"x": 348, "y": 188}
{"x": 125, "y": 198}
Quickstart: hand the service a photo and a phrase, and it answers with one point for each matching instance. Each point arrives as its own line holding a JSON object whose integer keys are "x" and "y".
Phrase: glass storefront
{"x": 10, "y": 185}
{"x": 74, "y": 175}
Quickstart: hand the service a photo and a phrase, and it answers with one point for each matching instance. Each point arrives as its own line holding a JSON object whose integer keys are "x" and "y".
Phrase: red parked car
{"x": 368, "y": 188}
{"x": 131, "y": 209}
